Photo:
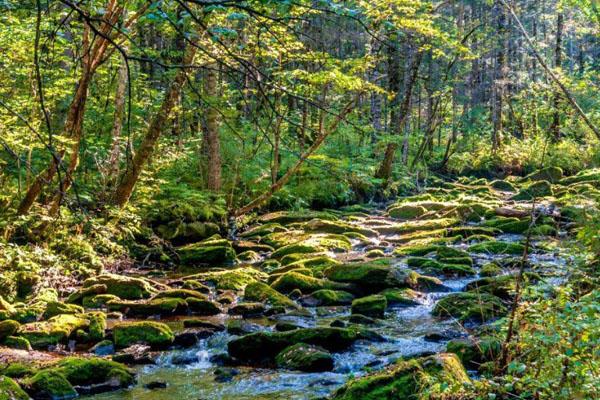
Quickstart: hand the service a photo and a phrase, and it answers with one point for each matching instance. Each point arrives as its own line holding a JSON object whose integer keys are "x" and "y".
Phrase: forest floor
{"x": 303, "y": 304}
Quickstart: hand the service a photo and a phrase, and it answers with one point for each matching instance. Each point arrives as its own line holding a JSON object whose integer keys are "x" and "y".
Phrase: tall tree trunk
{"x": 115, "y": 151}
{"x": 499, "y": 74}
{"x": 555, "y": 127}
{"x": 212, "y": 131}
{"x": 144, "y": 153}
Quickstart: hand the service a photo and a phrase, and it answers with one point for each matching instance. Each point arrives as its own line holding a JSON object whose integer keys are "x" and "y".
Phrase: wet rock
{"x": 144, "y": 308}
{"x": 210, "y": 251}
{"x": 290, "y": 281}
{"x": 473, "y": 353}
{"x": 135, "y": 355}
{"x": 247, "y": 309}
{"x": 535, "y": 190}
{"x": 184, "y": 359}
{"x": 490, "y": 269}
{"x": 156, "y": 385}
{"x": 225, "y": 374}
{"x": 402, "y": 297}
{"x": 197, "y": 323}
{"x": 203, "y": 306}
{"x": 361, "y": 319}
{"x": 477, "y": 307}
{"x": 369, "y": 277}
{"x": 154, "y": 334}
{"x": 260, "y": 292}
{"x": 52, "y": 332}
{"x": 337, "y": 323}
{"x": 249, "y": 256}
{"x": 304, "y": 357}
{"x": 103, "y": 348}
{"x": 7, "y": 328}
{"x": 241, "y": 327}
{"x": 452, "y": 268}
{"x": 370, "y": 306}
{"x": 234, "y": 279}
{"x": 128, "y": 288}
{"x": 326, "y": 297}
{"x": 409, "y": 379}
{"x": 497, "y": 247}
{"x": 284, "y": 326}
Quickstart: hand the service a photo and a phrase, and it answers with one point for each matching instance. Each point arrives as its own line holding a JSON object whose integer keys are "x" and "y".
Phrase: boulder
{"x": 235, "y": 279}
{"x": 258, "y": 291}
{"x": 207, "y": 252}
{"x": 7, "y": 328}
{"x": 535, "y": 190}
{"x": 497, "y": 247}
{"x": 124, "y": 287}
{"x": 289, "y": 281}
{"x": 370, "y": 306}
{"x": 150, "y": 333}
{"x": 10, "y": 390}
{"x": 550, "y": 174}
{"x": 52, "y": 332}
{"x": 247, "y": 309}
{"x": 305, "y": 357}
{"x": 327, "y": 297}
{"x": 467, "y": 306}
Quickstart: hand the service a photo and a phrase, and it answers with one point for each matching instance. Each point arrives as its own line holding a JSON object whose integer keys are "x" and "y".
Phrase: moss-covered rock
{"x": 7, "y": 328}
{"x": 473, "y": 353}
{"x": 144, "y": 308}
{"x": 124, "y": 287}
{"x": 407, "y": 211}
{"x": 497, "y": 247}
{"x": 550, "y": 174}
{"x": 180, "y": 294}
{"x": 56, "y": 307}
{"x": 50, "y": 384}
{"x": 327, "y": 297}
{"x": 502, "y": 286}
{"x": 258, "y": 291}
{"x": 289, "y": 281}
{"x": 478, "y": 307}
{"x": 503, "y": 186}
{"x": 370, "y": 306}
{"x": 52, "y": 332}
{"x": 98, "y": 301}
{"x": 490, "y": 269}
{"x": 370, "y": 277}
{"x": 17, "y": 342}
{"x": 249, "y": 256}
{"x": 18, "y": 369}
{"x": 203, "y": 306}
{"x": 304, "y": 357}
{"x": 296, "y": 248}
{"x": 207, "y": 252}
{"x": 151, "y": 333}
{"x": 80, "y": 294}
{"x": 288, "y": 217}
{"x": 413, "y": 226}
{"x": 438, "y": 376}
{"x": 401, "y": 297}
{"x": 329, "y": 226}
{"x": 436, "y": 268}
{"x": 247, "y": 309}
{"x": 263, "y": 229}
{"x": 235, "y": 279}
{"x": 536, "y": 189}
{"x": 10, "y": 390}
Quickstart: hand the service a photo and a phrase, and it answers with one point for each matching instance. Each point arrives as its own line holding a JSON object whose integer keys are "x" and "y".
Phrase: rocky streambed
{"x": 305, "y": 304}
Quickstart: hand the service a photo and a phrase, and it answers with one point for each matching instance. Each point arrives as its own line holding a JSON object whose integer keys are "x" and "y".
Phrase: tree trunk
{"x": 144, "y": 152}
{"x": 212, "y": 132}
{"x": 115, "y": 151}
{"x": 555, "y": 127}
{"x": 499, "y": 74}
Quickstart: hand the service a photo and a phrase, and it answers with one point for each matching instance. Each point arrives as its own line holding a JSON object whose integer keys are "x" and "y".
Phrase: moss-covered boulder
{"x": 151, "y": 333}
{"x": 52, "y": 332}
{"x": 370, "y": 306}
{"x": 247, "y": 309}
{"x": 305, "y": 357}
{"x": 407, "y": 211}
{"x": 50, "y": 384}
{"x": 289, "y": 281}
{"x": 473, "y": 353}
{"x": 497, "y": 247}
{"x": 180, "y": 294}
{"x": 329, "y": 226}
{"x": 370, "y": 277}
{"x": 89, "y": 291}
{"x": 438, "y": 376}
{"x": 207, "y": 252}
{"x": 203, "y": 306}
{"x": 414, "y": 226}
{"x": 17, "y": 342}
{"x": 124, "y": 287}
{"x": 144, "y": 308}
{"x": 288, "y": 217}
{"x": 261, "y": 292}
{"x": 404, "y": 297}
{"x": 263, "y": 230}
{"x": 7, "y": 328}
{"x": 264, "y": 346}
{"x": 56, "y": 307}
{"x": 454, "y": 267}
{"x": 98, "y": 301}
{"x": 503, "y": 286}
{"x": 10, "y": 390}
{"x": 550, "y": 174}
{"x": 535, "y": 190}
{"x": 503, "y": 186}
{"x": 328, "y": 297}
{"x": 490, "y": 269}
{"x": 234, "y": 279}
{"x": 249, "y": 256}
{"x": 468, "y": 306}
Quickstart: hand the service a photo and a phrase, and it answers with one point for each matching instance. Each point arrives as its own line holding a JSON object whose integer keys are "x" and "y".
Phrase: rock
{"x": 502, "y": 286}
{"x": 375, "y": 253}
{"x": 154, "y": 334}
{"x": 473, "y": 353}
{"x": 156, "y": 385}
{"x": 289, "y": 281}
{"x": 98, "y": 301}
{"x": 407, "y": 211}
{"x": 225, "y": 374}
{"x": 234, "y": 279}
{"x": 287, "y": 217}
{"x": 52, "y": 332}
{"x": 260, "y": 292}
{"x": 7, "y": 328}
{"x": 550, "y": 174}
{"x": 477, "y": 307}
{"x": 490, "y": 269}
{"x": 328, "y": 226}
{"x": 241, "y": 327}
{"x": 337, "y": 323}
{"x": 78, "y": 295}
{"x": 10, "y": 390}
{"x": 361, "y": 319}
{"x": 296, "y": 248}
{"x": 304, "y": 357}
{"x": 497, "y": 247}
{"x": 402, "y": 297}
{"x": 124, "y": 287}
{"x": 370, "y": 277}
{"x": 56, "y": 307}
{"x": 435, "y": 267}
{"x": 197, "y": 323}
{"x": 535, "y": 190}
{"x": 263, "y": 229}
{"x": 247, "y": 309}
{"x": 180, "y": 294}
{"x": 428, "y": 377}
{"x": 503, "y": 186}
{"x": 419, "y": 225}
{"x": 284, "y": 326}
{"x": 50, "y": 384}
{"x": 583, "y": 176}
{"x": 370, "y": 306}
{"x": 17, "y": 342}
{"x": 249, "y": 256}
{"x": 207, "y": 252}
{"x": 193, "y": 284}
{"x": 144, "y": 308}
{"x": 327, "y": 297}
{"x": 103, "y": 348}
{"x": 202, "y": 306}
{"x": 264, "y": 346}
{"x": 135, "y": 355}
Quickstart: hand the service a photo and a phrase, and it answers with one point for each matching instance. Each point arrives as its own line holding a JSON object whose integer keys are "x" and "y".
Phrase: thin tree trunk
{"x": 212, "y": 132}
{"x": 115, "y": 151}
{"x": 499, "y": 74}
{"x": 555, "y": 127}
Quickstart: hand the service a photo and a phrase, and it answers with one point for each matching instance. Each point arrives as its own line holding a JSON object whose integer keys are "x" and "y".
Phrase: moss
{"x": 56, "y": 307}
{"x": 583, "y": 176}
{"x": 370, "y": 277}
{"x": 89, "y": 371}
{"x": 249, "y": 256}
{"x": 160, "y": 306}
{"x": 261, "y": 346}
{"x": 503, "y": 186}
{"x": 258, "y": 291}
{"x": 328, "y": 226}
{"x": 318, "y": 263}
{"x": 536, "y": 189}
{"x": 500, "y": 286}
{"x": 413, "y": 226}
{"x": 10, "y": 390}
{"x": 7, "y": 328}
{"x": 468, "y": 261}
{"x": 263, "y": 229}
{"x": 235, "y": 279}
{"x": 207, "y": 252}
{"x": 490, "y": 269}
{"x": 407, "y": 211}
{"x": 306, "y": 284}
{"x": 438, "y": 376}
{"x": 151, "y": 333}
{"x": 54, "y": 331}
{"x": 26, "y": 282}
{"x": 17, "y": 342}
{"x": 415, "y": 250}
{"x": 401, "y": 297}
{"x": 497, "y": 247}
{"x": 180, "y": 294}
{"x": 193, "y": 284}
{"x": 247, "y": 309}
{"x": 543, "y": 230}
{"x": 479, "y": 307}
{"x": 17, "y": 370}
{"x": 550, "y": 174}
{"x": 203, "y": 306}
{"x": 468, "y": 231}
{"x": 97, "y": 326}
{"x": 437, "y": 267}
{"x": 50, "y": 384}
{"x": 288, "y": 217}
{"x": 98, "y": 301}
{"x": 370, "y": 306}
{"x": 375, "y": 253}
{"x": 79, "y": 295}
{"x": 297, "y": 248}
{"x": 124, "y": 287}
{"x": 304, "y": 357}
{"x": 327, "y": 297}
{"x": 473, "y": 353}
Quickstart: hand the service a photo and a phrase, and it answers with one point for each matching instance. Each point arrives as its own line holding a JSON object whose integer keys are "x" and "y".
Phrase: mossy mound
{"x": 490, "y": 269}
{"x": 441, "y": 268}
{"x": 550, "y": 174}
{"x": 407, "y": 211}
{"x": 235, "y": 279}
{"x": 288, "y": 217}
{"x": 370, "y": 306}
{"x": 54, "y": 308}
{"x": 263, "y": 230}
{"x": 535, "y": 190}
{"x": 296, "y": 248}
{"x": 180, "y": 294}
{"x": 124, "y": 287}
{"x": 497, "y": 247}
{"x": 401, "y": 297}
{"x": 17, "y": 342}
{"x": 328, "y": 226}
{"x": 438, "y": 376}
{"x": 503, "y": 186}
{"x": 583, "y": 176}
{"x": 473, "y": 353}
{"x": 151, "y": 333}
{"x": 89, "y": 291}
{"x": 207, "y": 252}
{"x": 500, "y": 286}
{"x": 52, "y": 332}
{"x": 98, "y": 301}
{"x": 477, "y": 307}
{"x": 7, "y": 328}
{"x": 10, "y": 390}
{"x": 369, "y": 277}
{"x": 202, "y": 306}
{"x": 258, "y": 291}
{"x": 289, "y": 281}
{"x": 327, "y": 297}
{"x": 413, "y": 226}
{"x": 50, "y": 384}
{"x": 144, "y": 308}
{"x": 304, "y": 357}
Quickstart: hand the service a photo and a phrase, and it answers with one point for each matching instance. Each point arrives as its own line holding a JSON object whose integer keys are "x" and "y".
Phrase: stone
{"x": 534, "y": 190}
{"x": 247, "y": 309}
{"x": 476, "y": 307}
{"x": 497, "y": 247}
{"x": 289, "y": 281}
{"x": 150, "y": 333}
{"x": 10, "y": 390}
{"x": 370, "y": 306}
{"x": 327, "y": 297}
{"x": 127, "y": 288}
{"x": 304, "y": 357}
{"x": 260, "y": 292}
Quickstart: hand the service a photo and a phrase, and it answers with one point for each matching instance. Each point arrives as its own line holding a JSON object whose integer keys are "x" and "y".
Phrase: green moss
{"x": 413, "y": 226}
{"x": 473, "y": 353}
{"x": 97, "y": 326}
{"x": 490, "y": 269}
{"x": 7, "y": 328}
{"x": 497, "y": 247}
{"x": 470, "y": 307}
{"x": 370, "y": 277}
{"x": 407, "y": 211}
{"x": 317, "y": 263}
{"x": 550, "y": 174}
{"x": 327, "y": 297}
{"x": 304, "y": 357}
{"x": 56, "y": 307}
{"x": 370, "y": 306}
{"x": 79, "y": 295}
{"x": 288, "y": 217}
{"x": 207, "y": 252}
{"x": 249, "y": 256}
{"x": 17, "y": 342}
{"x": 263, "y": 229}
{"x": 180, "y": 294}
{"x": 401, "y": 297}
{"x": 306, "y": 284}
{"x": 155, "y": 334}
{"x": 500, "y": 286}
{"x": 436, "y": 267}
{"x": 235, "y": 279}
{"x": 56, "y": 330}
{"x": 17, "y": 370}
{"x": 203, "y": 307}
{"x": 258, "y": 291}
{"x": 160, "y": 306}
{"x": 503, "y": 186}
{"x": 583, "y": 176}
{"x": 296, "y": 248}
{"x": 98, "y": 301}
{"x": 328, "y": 226}
{"x": 10, "y": 390}
{"x": 50, "y": 384}
{"x": 124, "y": 287}
{"x": 536, "y": 189}
{"x": 88, "y": 371}
{"x": 438, "y": 376}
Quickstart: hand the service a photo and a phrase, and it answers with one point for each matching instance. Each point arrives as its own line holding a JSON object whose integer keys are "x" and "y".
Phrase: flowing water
{"x": 409, "y": 331}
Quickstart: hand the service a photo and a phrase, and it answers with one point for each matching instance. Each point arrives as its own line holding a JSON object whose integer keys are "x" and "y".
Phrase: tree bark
{"x": 115, "y": 151}
{"x": 499, "y": 74}
{"x": 213, "y": 144}
{"x": 555, "y": 127}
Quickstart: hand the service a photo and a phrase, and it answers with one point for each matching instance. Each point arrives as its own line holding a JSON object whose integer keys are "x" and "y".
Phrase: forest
{"x": 299, "y": 199}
